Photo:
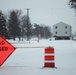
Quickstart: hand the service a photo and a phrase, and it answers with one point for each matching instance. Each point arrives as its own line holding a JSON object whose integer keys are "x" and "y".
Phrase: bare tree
{"x": 72, "y": 4}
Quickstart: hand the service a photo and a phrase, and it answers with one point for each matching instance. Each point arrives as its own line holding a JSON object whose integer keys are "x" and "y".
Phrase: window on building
{"x": 65, "y": 27}
{"x": 56, "y": 27}
{"x": 56, "y": 32}
{"x": 66, "y": 32}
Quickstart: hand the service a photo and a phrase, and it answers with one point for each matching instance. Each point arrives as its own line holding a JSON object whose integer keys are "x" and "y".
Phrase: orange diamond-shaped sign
{"x": 6, "y": 49}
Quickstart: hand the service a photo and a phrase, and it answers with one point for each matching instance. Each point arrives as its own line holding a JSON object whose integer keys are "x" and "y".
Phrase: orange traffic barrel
{"x": 49, "y": 57}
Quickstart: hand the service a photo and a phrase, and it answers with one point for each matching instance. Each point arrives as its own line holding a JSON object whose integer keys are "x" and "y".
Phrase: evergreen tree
{"x": 14, "y": 29}
{"x": 3, "y": 29}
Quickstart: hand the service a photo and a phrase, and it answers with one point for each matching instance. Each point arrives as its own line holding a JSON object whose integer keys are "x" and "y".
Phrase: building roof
{"x": 62, "y": 23}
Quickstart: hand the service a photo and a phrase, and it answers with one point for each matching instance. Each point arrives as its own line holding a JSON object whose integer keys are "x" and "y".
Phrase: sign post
{"x": 6, "y": 49}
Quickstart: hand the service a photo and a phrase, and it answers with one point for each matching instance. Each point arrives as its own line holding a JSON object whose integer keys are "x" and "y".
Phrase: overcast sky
{"x": 48, "y": 12}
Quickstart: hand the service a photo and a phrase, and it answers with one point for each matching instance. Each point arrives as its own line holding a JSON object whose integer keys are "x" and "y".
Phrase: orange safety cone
{"x": 49, "y": 57}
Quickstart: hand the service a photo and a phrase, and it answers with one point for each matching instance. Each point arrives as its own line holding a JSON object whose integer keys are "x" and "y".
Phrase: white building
{"x": 62, "y": 30}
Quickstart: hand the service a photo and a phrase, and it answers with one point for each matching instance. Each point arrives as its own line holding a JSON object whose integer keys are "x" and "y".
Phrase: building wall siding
{"x": 61, "y": 29}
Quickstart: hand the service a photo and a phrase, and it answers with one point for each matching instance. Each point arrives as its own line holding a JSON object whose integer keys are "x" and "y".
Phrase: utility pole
{"x": 28, "y": 36}
{"x": 27, "y": 14}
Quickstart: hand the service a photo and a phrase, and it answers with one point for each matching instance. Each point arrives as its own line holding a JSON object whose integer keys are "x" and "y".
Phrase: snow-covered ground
{"x": 30, "y": 61}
